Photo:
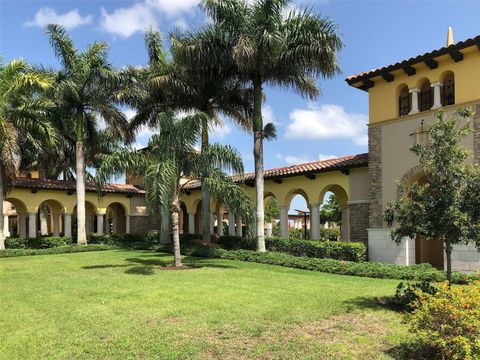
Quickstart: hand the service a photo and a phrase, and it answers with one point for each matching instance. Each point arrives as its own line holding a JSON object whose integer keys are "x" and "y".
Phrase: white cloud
{"x": 326, "y": 157}
{"x": 181, "y": 23}
{"x": 327, "y": 122}
{"x": 268, "y": 115}
{"x": 220, "y": 131}
{"x": 127, "y": 21}
{"x": 173, "y": 7}
{"x": 70, "y": 20}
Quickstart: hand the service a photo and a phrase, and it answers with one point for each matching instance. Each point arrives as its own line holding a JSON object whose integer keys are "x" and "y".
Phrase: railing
{"x": 404, "y": 104}
{"x": 448, "y": 93}
{"x": 426, "y": 100}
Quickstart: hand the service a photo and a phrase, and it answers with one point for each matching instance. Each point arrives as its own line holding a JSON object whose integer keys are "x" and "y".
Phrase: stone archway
{"x": 116, "y": 219}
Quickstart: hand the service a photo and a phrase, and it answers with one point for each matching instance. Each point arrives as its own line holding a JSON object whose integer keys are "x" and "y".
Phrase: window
{"x": 426, "y": 96}
{"x": 448, "y": 89}
{"x": 403, "y": 101}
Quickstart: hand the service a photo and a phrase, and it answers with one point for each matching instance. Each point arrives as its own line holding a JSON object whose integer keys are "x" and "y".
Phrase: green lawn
{"x": 121, "y": 305}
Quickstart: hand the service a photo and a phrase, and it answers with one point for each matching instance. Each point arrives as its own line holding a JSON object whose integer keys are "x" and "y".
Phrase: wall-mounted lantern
{"x": 389, "y": 215}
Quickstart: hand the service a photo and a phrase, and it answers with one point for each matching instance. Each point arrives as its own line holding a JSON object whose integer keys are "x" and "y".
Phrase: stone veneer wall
{"x": 375, "y": 176}
{"x": 142, "y": 224}
{"x": 476, "y": 135}
{"x": 358, "y": 221}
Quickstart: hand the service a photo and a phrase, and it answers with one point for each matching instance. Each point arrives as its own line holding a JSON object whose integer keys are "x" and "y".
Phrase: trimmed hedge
{"x": 43, "y": 242}
{"x": 54, "y": 250}
{"x": 422, "y": 272}
{"x": 349, "y": 251}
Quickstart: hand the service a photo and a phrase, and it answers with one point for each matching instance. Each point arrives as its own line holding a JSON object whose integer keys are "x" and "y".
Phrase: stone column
{"x": 437, "y": 99}
{"x": 268, "y": 229}
{"x": 315, "y": 222}
{"x": 238, "y": 229}
{"x": 56, "y": 224}
{"x": 32, "y": 225}
{"x": 6, "y": 229}
{"x": 414, "y": 93}
{"x": 284, "y": 221}
{"x": 67, "y": 223}
{"x": 220, "y": 224}
{"x": 212, "y": 223}
{"x": 345, "y": 224}
{"x": 231, "y": 223}
{"x": 22, "y": 225}
{"x": 127, "y": 224}
{"x": 191, "y": 223}
{"x": 100, "y": 224}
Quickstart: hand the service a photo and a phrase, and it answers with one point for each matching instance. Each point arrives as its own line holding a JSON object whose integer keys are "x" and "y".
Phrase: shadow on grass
{"x": 146, "y": 264}
{"x": 363, "y": 302}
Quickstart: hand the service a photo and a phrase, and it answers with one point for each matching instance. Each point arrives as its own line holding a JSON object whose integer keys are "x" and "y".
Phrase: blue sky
{"x": 375, "y": 33}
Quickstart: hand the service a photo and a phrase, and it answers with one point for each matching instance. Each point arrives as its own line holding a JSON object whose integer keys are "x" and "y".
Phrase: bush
{"x": 43, "y": 242}
{"x": 408, "y": 294}
{"x": 236, "y": 243}
{"x": 348, "y": 251}
{"x": 55, "y": 250}
{"x": 332, "y": 234}
{"x": 447, "y": 324}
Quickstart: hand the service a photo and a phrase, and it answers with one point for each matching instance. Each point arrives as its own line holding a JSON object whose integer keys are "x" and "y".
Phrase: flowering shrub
{"x": 447, "y": 324}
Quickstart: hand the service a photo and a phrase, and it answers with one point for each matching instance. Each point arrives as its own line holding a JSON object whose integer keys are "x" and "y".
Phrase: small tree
{"x": 331, "y": 211}
{"x": 443, "y": 207}
{"x": 170, "y": 157}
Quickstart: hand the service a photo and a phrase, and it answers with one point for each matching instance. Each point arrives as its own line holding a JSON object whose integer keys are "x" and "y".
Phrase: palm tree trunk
{"x": 2, "y": 235}
{"x": 176, "y": 232}
{"x": 258, "y": 156}
{"x": 165, "y": 225}
{"x": 205, "y": 194}
{"x": 80, "y": 182}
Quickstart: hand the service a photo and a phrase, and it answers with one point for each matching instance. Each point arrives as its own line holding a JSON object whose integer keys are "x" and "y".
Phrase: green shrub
{"x": 297, "y": 234}
{"x": 332, "y": 234}
{"x": 236, "y": 243}
{"x": 54, "y": 250}
{"x": 42, "y": 242}
{"x": 447, "y": 324}
{"x": 408, "y": 294}
{"x": 349, "y": 251}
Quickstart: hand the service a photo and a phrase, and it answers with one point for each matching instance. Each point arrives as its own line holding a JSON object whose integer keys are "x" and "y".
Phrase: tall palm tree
{"x": 271, "y": 45}
{"x": 186, "y": 84}
{"x": 171, "y": 156}
{"x": 22, "y": 119}
{"x": 85, "y": 91}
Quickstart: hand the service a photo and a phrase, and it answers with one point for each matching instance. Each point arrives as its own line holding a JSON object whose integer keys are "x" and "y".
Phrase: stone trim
{"x": 476, "y": 135}
{"x": 358, "y": 221}
{"x": 375, "y": 176}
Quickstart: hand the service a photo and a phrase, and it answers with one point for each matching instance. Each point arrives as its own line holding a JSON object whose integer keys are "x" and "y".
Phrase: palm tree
{"x": 184, "y": 84}
{"x": 171, "y": 156}
{"x": 22, "y": 119}
{"x": 270, "y": 45}
{"x": 85, "y": 91}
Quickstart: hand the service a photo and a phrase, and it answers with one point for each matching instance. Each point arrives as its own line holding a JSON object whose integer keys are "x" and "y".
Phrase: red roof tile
{"x": 49, "y": 184}
{"x": 311, "y": 168}
{"x": 414, "y": 60}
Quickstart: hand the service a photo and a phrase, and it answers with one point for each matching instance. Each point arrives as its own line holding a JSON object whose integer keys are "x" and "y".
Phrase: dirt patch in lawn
{"x": 177, "y": 268}
{"x": 346, "y": 336}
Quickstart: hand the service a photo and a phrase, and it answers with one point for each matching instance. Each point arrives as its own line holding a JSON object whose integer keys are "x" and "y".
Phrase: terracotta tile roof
{"x": 311, "y": 168}
{"x": 48, "y": 184}
{"x": 414, "y": 60}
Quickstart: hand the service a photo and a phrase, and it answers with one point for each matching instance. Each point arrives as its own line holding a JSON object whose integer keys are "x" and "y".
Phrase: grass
{"x": 120, "y": 304}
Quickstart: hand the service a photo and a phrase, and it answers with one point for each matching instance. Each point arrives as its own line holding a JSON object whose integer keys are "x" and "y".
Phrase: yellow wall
{"x": 383, "y": 99}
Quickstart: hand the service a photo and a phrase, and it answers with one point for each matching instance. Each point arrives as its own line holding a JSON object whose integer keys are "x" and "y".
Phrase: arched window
{"x": 426, "y": 95}
{"x": 448, "y": 89}
{"x": 403, "y": 100}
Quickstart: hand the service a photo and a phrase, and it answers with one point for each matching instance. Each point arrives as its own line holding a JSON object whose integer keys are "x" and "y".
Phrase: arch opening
{"x": 50, "y": 218}
{"x": 298, "y": 215}
{"x": 116, "y": 219}
{"x": 90, "y": 219}
{"x": 404, "y": 100}
{"x": 15, "y": 218}
{"x": 448, "y": 88}
{"x": 425, "y": 95}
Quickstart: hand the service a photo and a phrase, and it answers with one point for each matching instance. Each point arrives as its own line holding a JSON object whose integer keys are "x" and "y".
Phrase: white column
{"x": 238, "y": 229}
{"x": 212, "y": 223}
{"x": 437, "y": 99}
{"x": 43, "y": 222}
{"x": 100, "y": 223}
{"x": 6, "y": 229}
{"x": 220, "y": 224}
{"x": 191, "y": 223}
{"x": 414, "y": 93}
{"x": 32, "y": 225}
{"x": 67, "y": 224}
{"x": 231, "y": 223}
{"x": 22, "y": 225}
{"x": 56, "y": 224}
{"x": 127, "y": 224}
{"x": 315, "y": 222}
{"x": 268, "y": 229}
{"x": 284, "y": 221}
